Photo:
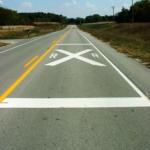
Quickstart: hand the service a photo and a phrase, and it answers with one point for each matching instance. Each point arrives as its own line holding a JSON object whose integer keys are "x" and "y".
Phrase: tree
{"x": 11, "y": 17}
{"x": 93, "y": 18}
{"x": 8, "y": 17}
{"x": 123, "y": 16}
{"x": 79, "y": 20}
{"x": 141, "y": 12}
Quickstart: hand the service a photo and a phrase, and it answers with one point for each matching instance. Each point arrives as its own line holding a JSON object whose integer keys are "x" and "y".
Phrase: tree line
{"x": 11, "y": 17}
{"x": 141, "y": 11}
{"x": 89, "y": 19}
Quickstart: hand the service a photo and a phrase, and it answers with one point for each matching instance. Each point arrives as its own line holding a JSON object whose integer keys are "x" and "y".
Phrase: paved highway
{"x": 94, "y": 97}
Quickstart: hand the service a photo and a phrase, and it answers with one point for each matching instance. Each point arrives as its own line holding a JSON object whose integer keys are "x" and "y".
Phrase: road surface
{"x": 74, "y": 92}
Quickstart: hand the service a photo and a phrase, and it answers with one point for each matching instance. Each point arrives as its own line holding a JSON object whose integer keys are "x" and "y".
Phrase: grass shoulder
{"x": 132, "y": 39}
{"x": 23, "y": 32}
{"x": 2, "y": 44}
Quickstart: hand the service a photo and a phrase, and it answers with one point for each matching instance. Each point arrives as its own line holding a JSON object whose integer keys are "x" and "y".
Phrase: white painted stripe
{"x": 36, "y": 39}
{"x": 53, "y": 55}
{"x": 116, "y": 68}
{"x": 73, "y": 44}
{"x": 94, "y": 55}
{"x": 76, "y": 56}
{"x": 10, "y": 49}
{"x": 69, "y": 57}
{"x": 75, "y": 103}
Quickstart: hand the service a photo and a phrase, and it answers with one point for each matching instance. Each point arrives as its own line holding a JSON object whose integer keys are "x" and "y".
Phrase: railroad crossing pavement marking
{"x": 53, "y": 55}
{"x": 95, "y": 55}
{"x": 71, "y": 56}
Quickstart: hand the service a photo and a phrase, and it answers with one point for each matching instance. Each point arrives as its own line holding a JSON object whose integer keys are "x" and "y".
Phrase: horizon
{"x": 68, "y": 7}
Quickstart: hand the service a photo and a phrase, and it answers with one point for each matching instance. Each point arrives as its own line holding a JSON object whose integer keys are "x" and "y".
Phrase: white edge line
{"x": 10, "y": 49}
{"x": 73, "y": 44}
{"x": 118, "y": 70}
{"x": 74, "y": 103}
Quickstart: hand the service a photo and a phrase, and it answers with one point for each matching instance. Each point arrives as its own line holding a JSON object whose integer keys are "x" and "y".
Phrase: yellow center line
{"x": 31, "y": 61}
{"x": 12, "y": 87}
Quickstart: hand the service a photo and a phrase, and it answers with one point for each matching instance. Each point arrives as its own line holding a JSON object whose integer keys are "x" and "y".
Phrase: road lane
{"x": 73, "y": 129}
{"x": 12, "y": 62}
{"x": 134, "y": 70}
{"x": 75, "y": 77}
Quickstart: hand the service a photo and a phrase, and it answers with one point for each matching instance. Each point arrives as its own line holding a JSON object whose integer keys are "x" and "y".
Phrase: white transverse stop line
{"x": 75, "y": 103}
{"x": 75, "y": 56}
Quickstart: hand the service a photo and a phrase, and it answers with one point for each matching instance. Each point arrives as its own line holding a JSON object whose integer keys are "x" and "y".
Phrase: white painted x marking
{"x": 76, "y": 56}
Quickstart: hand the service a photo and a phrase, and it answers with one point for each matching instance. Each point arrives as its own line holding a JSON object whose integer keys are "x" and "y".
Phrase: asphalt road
{"x": 70, "y": 68}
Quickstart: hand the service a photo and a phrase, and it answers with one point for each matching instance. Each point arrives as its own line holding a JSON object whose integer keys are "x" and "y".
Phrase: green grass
{"x": 133, "y": 39}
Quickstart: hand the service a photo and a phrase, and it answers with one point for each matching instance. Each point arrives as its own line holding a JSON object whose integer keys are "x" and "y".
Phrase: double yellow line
{"x": 12, "y": 87}
{"x": 31, "y": 61}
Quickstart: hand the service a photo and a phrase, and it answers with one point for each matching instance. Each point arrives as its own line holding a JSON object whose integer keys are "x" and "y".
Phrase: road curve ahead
{"x": 94, "y": 97}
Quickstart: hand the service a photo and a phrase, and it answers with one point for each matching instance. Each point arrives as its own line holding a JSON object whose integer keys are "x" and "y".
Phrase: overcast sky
{"x": 69, "y": 8}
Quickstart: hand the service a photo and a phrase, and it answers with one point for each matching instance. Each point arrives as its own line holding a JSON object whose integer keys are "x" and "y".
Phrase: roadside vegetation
{"x": 131, "y": 32}
{"x": 11, "y": 17}
{"x": 133, "y": 39}
{"x": 14, "y": 25}
{"x": 2, "y": 44}
{"x": 19, "y": 32}
{"x": 141, "y": 13}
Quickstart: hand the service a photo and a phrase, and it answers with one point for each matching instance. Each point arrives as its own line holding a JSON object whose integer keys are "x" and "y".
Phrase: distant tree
{"x": 11, "y": 17}
{"x": 79, "y": 20}
{"x": 141, "y": 12}
{"x": 71, "y": 21}
{"x": 107, "y": 18}
{"x": 29, "y": 18}
{"x": 89, "y": 19}
{"x": 123, "y": 16}
{"x": 8, "y": 17}
{"x": 93, "y": 18}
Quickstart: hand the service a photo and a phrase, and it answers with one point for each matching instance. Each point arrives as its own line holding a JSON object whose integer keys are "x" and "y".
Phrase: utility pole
{"x": 132, "y": 11}
{"x": 113, "y": 8}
